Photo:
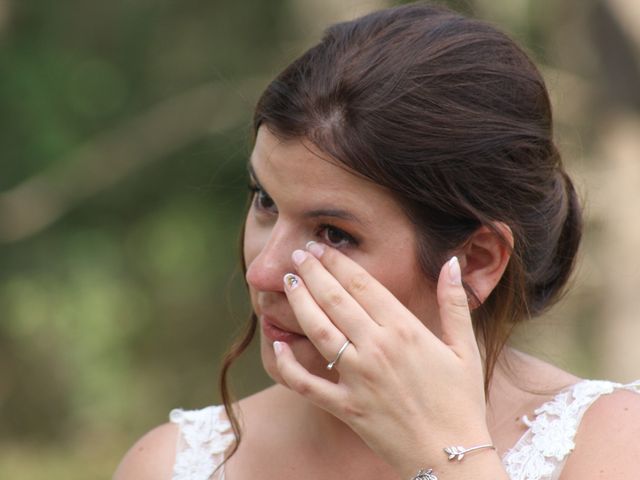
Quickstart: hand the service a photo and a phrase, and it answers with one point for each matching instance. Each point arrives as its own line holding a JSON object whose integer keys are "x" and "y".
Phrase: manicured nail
{"x": 298, "y": 256}
{"x": 291, "y": 281}
{"x": 316, "y": 248}
{"x": 277, "y": 347}
{"x": 455, "y": 276}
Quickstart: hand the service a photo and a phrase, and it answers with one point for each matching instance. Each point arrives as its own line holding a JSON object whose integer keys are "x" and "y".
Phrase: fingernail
{"x": 298, "y": 256}
{"x": 455, "y": 276}
{"x": 316, "y": 248}
{"x": 277, "y": 347}
{"x": 291, "y": 281}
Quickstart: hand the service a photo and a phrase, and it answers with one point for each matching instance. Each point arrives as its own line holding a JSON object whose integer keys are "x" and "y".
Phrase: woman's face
{"x": 300, "y": 196}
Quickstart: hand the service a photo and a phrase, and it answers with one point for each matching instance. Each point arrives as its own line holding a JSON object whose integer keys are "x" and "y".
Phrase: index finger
{"x": 337, "y": 305}
{"x": 381, "y": 305}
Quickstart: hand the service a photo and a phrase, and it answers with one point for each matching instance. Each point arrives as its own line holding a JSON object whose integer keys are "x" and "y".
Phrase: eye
{"x": 262, "y": 200}
{"x": 336, "y": 237}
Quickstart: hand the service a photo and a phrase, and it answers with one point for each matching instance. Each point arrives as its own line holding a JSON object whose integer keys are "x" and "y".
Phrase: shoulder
{"x": 151, "y": 457}
{"x": 606, "y": 443}
{"x": 194, "y": 439}
{"x": 154, "y": 456}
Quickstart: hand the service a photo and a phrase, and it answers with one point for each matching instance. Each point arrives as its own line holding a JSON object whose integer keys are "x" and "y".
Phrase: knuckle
{"x": 333, "y": 298}
{"x": 321, "y": 334}
{"x": 359, "y": 283}
{"x": 349, "y": 410}
{"x": 300, "y": 386}
{"x": 457, "y": 300}
{"x": 370, "y": 376}
{"x": 379, "y": 353}
{"x": 460, "y": 303}
{"x": 459, "y": 315}
{"x": 404, "y": 331}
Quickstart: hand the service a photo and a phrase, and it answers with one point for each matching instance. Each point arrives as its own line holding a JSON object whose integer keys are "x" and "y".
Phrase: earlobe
{"x": 484, "y": 258}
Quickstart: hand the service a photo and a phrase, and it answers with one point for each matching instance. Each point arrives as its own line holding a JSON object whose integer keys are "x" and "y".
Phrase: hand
{"x": 404, "y": 391}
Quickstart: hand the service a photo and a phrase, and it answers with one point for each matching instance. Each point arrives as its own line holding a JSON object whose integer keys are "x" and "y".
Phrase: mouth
{"x": 276, "y": 332}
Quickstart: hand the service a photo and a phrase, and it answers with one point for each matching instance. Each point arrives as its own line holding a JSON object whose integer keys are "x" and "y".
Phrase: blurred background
{"x": 124, "y": 132}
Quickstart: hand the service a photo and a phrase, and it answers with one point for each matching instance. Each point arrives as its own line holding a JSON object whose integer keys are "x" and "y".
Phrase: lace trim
{"x": 542, "y": 450}
{"x": 205, "y": 435}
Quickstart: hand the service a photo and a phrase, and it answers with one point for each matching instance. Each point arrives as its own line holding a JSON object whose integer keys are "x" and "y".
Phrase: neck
{"x": 331, "y": 436}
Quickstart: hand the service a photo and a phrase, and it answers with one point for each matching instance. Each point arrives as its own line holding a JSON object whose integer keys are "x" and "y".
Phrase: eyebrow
{"x": 316, "y": 213}
{"x": 335, "y": 213}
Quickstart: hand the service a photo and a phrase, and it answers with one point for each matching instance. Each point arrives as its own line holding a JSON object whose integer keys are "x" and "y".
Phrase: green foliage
{"x": 118, "y": 305}
{"x": 120, "y": 309}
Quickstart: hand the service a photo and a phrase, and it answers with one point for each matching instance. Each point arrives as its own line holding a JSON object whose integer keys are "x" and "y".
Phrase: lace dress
{"x": 205, "y": 435}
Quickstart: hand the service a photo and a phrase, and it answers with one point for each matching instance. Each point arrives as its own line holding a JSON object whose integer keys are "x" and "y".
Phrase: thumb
{"x": 455, "y": 316}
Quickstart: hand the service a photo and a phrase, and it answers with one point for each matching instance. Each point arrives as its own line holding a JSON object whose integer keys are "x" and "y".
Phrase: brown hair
{"x": 454, "y": 119}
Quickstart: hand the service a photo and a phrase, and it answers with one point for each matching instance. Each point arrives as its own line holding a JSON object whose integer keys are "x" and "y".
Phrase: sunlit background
{"x": 124, "y": 132}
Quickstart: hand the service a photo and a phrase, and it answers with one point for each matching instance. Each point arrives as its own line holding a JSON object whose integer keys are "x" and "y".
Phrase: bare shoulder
{"x": 607, "y": 440}
{"x": 151, "y": 457}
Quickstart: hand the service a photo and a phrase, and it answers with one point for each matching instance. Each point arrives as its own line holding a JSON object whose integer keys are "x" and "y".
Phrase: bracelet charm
{"x": 425, "y": 475}
{"x": 458, "y": 453}
{"x": 453, "y": 453}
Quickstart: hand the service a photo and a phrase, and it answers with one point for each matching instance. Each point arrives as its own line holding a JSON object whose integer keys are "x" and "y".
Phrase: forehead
{"x": 297, "y": 168}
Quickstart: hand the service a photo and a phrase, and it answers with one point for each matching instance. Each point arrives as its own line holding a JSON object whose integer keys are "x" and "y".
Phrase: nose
{"x": 266, "y": 270}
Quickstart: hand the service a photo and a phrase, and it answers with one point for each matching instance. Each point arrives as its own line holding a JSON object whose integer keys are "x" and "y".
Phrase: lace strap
{"x": 205, "y": 435}
{"x": 541, "y": 452}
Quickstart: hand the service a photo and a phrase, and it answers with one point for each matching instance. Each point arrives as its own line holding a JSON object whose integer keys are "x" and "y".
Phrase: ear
{"x": 484, "y": 258}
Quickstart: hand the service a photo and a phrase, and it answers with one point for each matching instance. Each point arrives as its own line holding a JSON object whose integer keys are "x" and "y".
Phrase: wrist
{"x": 486, "y": 465}
{"x": 453, "y": 461}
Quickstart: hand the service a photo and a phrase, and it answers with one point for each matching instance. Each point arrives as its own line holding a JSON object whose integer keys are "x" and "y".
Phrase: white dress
{"x": 539, "y": 454}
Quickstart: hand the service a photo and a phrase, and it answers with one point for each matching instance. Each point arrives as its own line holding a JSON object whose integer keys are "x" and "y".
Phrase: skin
{"x": 272, "y": 235}
{"x": 338, "y": 298}
{"x": 411, "y": 382}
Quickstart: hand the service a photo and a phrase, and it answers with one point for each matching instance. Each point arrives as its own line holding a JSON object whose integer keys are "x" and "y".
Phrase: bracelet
{"x": 425, "y": 475}
{"x": 453, "y": 453}
{"x": 458, "y": 453}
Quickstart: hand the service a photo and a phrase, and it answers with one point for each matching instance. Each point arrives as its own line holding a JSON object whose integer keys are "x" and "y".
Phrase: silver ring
{"x": 340, "y": 352}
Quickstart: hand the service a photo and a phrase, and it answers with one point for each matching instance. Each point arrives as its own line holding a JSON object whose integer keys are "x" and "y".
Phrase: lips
{"x": 275, "y": 332}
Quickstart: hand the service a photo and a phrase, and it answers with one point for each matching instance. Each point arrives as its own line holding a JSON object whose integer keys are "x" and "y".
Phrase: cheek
{"x": 408, "y": 284}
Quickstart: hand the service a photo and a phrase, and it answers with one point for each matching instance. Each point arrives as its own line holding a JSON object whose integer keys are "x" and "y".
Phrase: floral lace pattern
{"x": 205, "y": 435}
{"x": 541, "y": 452}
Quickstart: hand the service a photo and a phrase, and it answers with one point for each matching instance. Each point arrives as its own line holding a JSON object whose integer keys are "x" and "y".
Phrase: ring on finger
{"x": 330, "y": 365}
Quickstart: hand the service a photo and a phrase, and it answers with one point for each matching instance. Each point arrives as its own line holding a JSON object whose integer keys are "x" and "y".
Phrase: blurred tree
{"x": 125, "y": 131}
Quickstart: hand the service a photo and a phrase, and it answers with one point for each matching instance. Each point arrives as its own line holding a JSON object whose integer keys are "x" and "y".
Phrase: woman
{"x": 409, "y": 208}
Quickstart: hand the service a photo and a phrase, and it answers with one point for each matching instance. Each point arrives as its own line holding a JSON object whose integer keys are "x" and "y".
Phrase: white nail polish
{"x": 298, "y": 256}
{"x": 317, "y": 249}
{"x": 455, "y": 275}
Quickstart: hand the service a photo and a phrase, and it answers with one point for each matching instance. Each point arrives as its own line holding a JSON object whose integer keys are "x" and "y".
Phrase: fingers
{"x": 379, "y": 303}
{"x": 320, "y": 330}
{"x": 373, "y": 297}
{"x": 320, "y": 391}
{"x": 457, "y": 329}
{"x": 332, "y": 298}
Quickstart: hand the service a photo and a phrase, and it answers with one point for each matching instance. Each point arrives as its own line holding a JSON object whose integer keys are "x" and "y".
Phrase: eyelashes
{"x": 326, "y": 232}
{"x": 335, "y": 236}
{"x": 261, "y": 199}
